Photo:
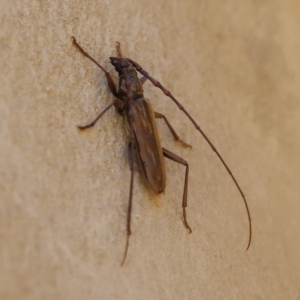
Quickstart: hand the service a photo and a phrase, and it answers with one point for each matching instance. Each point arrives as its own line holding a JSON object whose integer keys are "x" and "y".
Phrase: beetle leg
{"x": 131, "y": 160}
{"x": 176, "y": 137}
{"x": 115, "y": 103}
{"x": 180, "y": 160}
{"x": 109, "y": 79}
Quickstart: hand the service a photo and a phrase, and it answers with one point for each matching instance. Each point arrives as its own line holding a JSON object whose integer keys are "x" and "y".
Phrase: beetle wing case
{"x": 149, "y": 150}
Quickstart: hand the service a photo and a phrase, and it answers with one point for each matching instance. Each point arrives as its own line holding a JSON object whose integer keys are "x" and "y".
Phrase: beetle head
{"x": 119, "y": 63}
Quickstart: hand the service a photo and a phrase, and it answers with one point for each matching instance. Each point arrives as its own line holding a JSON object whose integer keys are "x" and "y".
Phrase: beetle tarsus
{"x": 185, "y": 221}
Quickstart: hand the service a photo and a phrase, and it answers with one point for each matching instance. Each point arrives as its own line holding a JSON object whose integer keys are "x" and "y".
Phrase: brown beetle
{"x": 144, "y": 139}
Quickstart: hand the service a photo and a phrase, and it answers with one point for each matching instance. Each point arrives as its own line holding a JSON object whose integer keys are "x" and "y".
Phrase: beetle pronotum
{"x": 144, "y": 139}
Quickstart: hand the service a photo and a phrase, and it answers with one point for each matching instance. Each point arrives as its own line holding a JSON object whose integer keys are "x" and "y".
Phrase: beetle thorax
{"x": 127, "y": 75}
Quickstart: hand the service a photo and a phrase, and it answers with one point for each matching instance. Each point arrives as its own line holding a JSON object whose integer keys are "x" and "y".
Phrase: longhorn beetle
{"x": 144, "y": 142}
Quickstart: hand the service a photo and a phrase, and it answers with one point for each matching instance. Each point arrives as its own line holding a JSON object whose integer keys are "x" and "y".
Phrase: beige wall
{"x": 63, "y": 193}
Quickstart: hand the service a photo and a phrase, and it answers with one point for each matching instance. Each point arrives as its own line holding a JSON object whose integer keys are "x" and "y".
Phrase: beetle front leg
{"x": 180, "y": 160}
{"x": 109, "y": 79}
{"x": 175, "y": 135}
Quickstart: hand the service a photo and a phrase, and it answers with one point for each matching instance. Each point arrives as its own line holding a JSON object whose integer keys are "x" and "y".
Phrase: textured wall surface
{"x": 234, "y": 65}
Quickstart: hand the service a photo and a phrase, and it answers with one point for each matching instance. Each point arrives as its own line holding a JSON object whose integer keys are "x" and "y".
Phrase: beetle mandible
{"x": 144, "y": 142}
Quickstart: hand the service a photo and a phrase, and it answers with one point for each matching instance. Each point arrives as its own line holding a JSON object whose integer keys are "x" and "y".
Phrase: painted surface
{"x": 63, "y": 193}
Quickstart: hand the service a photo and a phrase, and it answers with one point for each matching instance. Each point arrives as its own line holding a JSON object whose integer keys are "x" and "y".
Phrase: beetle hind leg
{"x": 180, "y": 160}
{"x": 128, "y": 221}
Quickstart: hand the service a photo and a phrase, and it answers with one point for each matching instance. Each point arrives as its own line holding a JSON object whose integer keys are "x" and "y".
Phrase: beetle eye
{"x": 113, "y": 61}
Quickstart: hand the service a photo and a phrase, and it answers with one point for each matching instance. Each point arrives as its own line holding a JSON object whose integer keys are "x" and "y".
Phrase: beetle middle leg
{"x": 180, "y": 160}
{"x": 175, "y": 135}
{"x": 117, "y": 103}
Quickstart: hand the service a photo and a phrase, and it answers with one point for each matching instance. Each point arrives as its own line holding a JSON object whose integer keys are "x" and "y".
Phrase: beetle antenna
{"x": 167, "y": 93}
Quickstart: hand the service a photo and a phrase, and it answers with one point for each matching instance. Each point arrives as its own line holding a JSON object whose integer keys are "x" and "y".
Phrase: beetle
{"x": 144, "y": 145}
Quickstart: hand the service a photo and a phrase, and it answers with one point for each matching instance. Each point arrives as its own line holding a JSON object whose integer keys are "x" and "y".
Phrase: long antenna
{"x": 167, "y": 93}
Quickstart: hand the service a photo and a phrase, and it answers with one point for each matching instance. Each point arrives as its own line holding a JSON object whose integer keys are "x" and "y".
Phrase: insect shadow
{"x": 144, "y": 146}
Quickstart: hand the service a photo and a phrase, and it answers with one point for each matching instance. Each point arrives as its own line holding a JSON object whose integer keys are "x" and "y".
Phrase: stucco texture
{"x": 234, "y": 65}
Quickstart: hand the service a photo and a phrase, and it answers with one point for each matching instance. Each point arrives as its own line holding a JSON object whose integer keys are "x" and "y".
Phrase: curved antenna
{"x": 167, "y": 93}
